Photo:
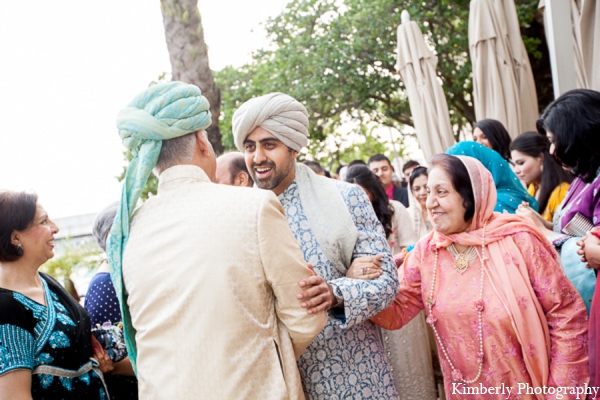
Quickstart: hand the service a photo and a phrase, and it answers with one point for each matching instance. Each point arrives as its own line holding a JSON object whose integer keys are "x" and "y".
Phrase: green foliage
{"x": 84, "y": 257}
{"x": 162, "y": 77}
{"x": 527, "y": 11}
{"x": 338, "y": 57}
{"x": 342, "y": 148}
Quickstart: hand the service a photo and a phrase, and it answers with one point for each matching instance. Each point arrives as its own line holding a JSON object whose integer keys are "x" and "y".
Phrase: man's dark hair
{"x": 17, "y": 211}
{"x": 314, "y": 165}
{"x": 379, "y": 157}
{"x": 356, "y": 162}
{"x": 409, "y": 164}
{"x": 237, "y": 165}
{"x": 574, "y": 120}
{"x": 461, "y": 182}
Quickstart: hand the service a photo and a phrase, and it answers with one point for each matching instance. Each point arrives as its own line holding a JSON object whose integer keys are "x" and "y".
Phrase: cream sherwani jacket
{"x": 212, "y": 273}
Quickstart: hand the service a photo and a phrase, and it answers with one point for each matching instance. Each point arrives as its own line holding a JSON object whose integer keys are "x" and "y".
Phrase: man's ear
{"x": 294, "y": 154}
{"x": 241, "y": 179}
{"x": 202, "y": 143}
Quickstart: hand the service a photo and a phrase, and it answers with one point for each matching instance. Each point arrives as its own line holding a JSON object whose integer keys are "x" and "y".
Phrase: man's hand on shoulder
{"x": 317, "y": 295}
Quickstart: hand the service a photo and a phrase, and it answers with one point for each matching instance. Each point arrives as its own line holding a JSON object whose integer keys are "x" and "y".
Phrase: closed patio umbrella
{"x": 584, "y": 24}
{"x": 586, "y": 28}
{"x": 416, "y": 65}
{"x": 503, "y": 85}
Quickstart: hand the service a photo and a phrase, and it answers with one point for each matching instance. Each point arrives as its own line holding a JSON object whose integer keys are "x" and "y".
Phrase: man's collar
{"x": 181, "y": 172}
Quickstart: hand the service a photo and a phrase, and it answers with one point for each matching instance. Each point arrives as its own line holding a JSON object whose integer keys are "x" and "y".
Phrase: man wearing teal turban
{"x": 209, "y": 306}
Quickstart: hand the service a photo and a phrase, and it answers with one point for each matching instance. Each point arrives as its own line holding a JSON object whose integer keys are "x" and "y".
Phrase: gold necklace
{"x": 462, "y": 260}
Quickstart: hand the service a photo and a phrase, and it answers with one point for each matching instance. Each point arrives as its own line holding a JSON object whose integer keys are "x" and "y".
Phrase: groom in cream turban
{"x": 334, "y": 223}
{"x": 209, "y": 312}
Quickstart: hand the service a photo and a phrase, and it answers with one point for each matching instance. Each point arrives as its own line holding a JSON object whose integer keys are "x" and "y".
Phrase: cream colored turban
{"x": 278, "y": 113}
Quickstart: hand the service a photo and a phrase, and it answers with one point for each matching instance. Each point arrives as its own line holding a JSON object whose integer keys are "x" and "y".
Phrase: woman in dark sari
{"x": 45, "y": 342}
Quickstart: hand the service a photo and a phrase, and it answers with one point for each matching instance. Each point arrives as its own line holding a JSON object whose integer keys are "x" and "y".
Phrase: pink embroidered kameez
{"x": 534, "y": 321}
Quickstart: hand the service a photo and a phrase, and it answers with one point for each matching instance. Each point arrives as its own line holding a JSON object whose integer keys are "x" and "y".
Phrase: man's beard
{"x": 273, "y": 180}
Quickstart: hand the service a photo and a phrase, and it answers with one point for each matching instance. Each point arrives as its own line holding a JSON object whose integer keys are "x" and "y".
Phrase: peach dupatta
{"x": 505, "y": 267}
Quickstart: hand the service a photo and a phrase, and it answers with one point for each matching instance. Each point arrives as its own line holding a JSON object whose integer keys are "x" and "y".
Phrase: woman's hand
{"x": 365, "y": 268}
{"x": 399, "y": 258}
{"x": 590, "y": 249}
{"x": 525, "y": 210}
{"x": 105, "y": 363}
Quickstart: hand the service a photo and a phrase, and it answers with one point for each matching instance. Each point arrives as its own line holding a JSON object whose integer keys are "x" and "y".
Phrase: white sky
{"x": 68, "y": 67}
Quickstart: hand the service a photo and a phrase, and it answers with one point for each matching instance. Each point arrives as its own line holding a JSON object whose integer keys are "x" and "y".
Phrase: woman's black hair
{"x": 417, "y": 172}
{"x": 17, "y": 211}
{"x": 574, "y": 121}
{"x": 461, "y": 182}
{"x": 497, "y": 135}
{"x": 362, "y": 175}
{"x": 535, "y": 145}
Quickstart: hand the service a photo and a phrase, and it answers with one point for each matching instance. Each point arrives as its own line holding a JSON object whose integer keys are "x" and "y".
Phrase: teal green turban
{"x": 161, "y": 112}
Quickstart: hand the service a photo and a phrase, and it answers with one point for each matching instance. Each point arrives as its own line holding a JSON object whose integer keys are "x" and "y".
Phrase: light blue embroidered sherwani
{"x": 347, "y": 360}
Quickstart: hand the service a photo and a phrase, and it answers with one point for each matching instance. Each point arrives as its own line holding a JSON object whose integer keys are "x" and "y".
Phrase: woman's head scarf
{"x": 161, "y": 112}
{"x": 510, "y": 191}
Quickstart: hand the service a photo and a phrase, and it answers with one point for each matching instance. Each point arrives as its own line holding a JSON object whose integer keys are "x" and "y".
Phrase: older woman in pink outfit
{"x": 507, "y": 321}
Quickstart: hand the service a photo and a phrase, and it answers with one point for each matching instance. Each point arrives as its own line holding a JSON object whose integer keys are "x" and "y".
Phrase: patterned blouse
{"x": 52, "y": 341}
{"x": 347, "y": 359}
{"x": 101, "y": 300}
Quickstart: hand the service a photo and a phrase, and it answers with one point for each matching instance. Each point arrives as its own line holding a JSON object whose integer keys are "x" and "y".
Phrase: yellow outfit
{"x": 556, "y": 197}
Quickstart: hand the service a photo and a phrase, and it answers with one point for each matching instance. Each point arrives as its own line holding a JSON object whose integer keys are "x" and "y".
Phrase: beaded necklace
{"x": 457, "y": 375}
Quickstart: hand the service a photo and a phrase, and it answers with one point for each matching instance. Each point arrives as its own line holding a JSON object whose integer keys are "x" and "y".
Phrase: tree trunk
{"x": 189, "y": 56}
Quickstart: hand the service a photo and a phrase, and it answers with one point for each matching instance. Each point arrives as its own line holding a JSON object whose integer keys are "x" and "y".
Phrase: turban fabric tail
{"x": 164, "y": 111}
